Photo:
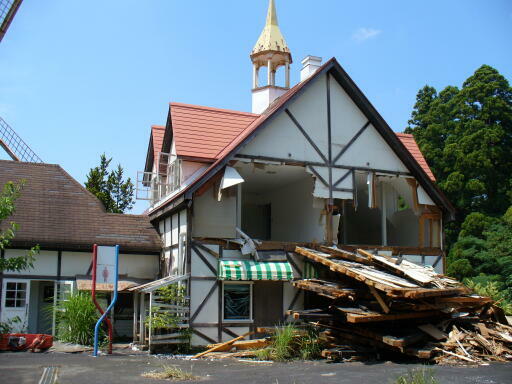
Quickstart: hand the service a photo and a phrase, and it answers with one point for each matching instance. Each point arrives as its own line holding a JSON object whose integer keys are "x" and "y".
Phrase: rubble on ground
{"x": 366, "y": 304}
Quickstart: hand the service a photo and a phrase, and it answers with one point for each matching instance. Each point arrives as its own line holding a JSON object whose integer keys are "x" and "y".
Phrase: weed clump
{"x": 417, "y": 376}
{"x": 290, "y": 342}
{"x": 170, "y": 372}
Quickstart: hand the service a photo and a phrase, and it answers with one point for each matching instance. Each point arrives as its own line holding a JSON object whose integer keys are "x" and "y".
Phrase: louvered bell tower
{"x": 270, "y": 51}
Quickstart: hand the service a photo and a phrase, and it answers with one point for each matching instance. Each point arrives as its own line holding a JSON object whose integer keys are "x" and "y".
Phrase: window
{"x": 15, "y": 295}
{"x": 237, "y": 301}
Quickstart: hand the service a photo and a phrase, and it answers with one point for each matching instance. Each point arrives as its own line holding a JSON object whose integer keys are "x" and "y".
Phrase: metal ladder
{"x": 14, "y": 145}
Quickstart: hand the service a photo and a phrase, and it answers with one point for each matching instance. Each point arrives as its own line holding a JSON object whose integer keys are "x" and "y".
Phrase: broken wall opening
{"x": 390, "y": 211}
{"x": 277, "y": 203}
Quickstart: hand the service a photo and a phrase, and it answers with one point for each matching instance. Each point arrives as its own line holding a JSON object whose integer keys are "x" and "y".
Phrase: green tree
{"x": 8, "y": 195}
{"x": 466, "y": 137}
{"x": 483, "y": 252}
{"x": 110, "y": 188}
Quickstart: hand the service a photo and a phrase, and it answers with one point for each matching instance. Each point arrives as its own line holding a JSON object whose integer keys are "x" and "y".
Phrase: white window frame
{"x": 25, "y": 299}
{"x": 251, "y": 296}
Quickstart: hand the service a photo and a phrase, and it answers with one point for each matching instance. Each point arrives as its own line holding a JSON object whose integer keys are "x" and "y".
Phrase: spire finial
{"x": 271, "y": 38}
{"x": 271, "y": 13}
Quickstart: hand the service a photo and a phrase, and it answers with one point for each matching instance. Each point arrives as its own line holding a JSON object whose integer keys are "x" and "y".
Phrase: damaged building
{"x": 232, "y": 193}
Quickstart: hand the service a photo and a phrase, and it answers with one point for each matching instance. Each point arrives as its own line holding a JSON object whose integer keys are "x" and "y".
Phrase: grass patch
{"x": 170, "y": 372}
{"x": 417, "y": 376}
{"x": 289, "y": 343}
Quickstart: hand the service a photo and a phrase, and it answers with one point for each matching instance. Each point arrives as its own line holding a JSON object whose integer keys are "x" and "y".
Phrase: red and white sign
{"x": 106, "y": 265}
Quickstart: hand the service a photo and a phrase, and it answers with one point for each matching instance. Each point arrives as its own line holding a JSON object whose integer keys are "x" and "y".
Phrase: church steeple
{"x": 270, "y": 51}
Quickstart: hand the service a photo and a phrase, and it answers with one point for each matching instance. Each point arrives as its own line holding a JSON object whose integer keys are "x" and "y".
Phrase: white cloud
{"x": 363, "y": 34}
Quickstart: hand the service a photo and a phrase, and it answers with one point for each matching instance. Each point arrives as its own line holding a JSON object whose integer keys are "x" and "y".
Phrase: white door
{"x": 15, "y": 297}
{"x": 61, "y": 291}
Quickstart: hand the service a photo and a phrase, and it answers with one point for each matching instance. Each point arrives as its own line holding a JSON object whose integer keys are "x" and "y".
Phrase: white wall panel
{"x": 140, "y": 266}
{"x": 45, "y": 262}
{"x": 199, "y": 268}
{"x": 212, "y": 218}
{"x": 75, "y": 263}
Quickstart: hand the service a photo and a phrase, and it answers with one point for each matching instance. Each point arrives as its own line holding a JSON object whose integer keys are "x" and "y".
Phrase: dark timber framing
{"x": 351, "y": 141}
{"x": 333, "y": 68}
{"x": 301, "y": 163}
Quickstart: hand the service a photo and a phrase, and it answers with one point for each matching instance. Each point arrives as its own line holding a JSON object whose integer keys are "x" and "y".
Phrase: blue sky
{"x": 79, "y": 78}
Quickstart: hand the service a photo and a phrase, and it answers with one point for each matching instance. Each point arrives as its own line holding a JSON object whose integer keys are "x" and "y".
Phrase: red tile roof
{"x": 157, "y": 134}
{"x": 412, "y": 147}
{"x": 203, "y": 132}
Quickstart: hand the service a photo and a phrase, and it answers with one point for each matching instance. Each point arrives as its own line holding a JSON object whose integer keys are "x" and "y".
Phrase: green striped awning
{"x": 254, "y": 270}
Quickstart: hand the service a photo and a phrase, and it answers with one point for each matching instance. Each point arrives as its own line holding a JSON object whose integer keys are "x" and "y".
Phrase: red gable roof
{"x": 412, "y": 147}
{"x": 197, "y": 144}
{"x": 203, "y": 132}
{"x": 157, "y": 134}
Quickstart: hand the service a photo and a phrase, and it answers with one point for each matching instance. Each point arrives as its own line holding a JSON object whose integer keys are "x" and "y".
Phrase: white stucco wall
{"x": 212, "y": 218}
{"x": 45, "y": 262}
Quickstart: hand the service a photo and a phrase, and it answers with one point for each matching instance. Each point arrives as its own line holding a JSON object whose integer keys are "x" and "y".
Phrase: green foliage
{"x": 173, "y": 294}
{"x": 76, "y": 318}
{"x": 417, "y": 376}
{"x": 483, "y": 255}
{"x": 8, "y": 195}
{"x": 290, "y": 343}
{"x": 110, "y": 188}
{"x": 492, "y": 289}
{"x": 466, "y": 137}
{"x": 8, "y": 326}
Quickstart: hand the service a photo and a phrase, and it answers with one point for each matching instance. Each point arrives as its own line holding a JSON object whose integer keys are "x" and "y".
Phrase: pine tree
{"x": 466, "y": 137}
{"x": 110, "y": 188}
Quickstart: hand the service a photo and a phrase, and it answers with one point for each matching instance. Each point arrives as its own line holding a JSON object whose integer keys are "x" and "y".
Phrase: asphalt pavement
{"x": 81, "y": 368}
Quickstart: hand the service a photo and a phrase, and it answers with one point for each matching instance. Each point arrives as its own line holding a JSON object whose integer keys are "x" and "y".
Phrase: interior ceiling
{"x": 260, "y": 178}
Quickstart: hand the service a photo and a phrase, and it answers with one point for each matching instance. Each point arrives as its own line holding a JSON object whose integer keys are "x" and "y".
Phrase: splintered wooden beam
{"x": 380, "y": 300}
{"x": 392, "y": 285}
{"x": 405, "y": 268}
{"x": 343, "y": 254}
{"x": 368, "y": 317}
{"x": 433, "y": 331}
{"x": 324, "y": 289}
{"x": 219, "y": 347}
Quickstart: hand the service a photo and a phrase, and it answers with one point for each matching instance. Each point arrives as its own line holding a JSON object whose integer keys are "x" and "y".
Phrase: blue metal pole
{"x": 97, "y": 327}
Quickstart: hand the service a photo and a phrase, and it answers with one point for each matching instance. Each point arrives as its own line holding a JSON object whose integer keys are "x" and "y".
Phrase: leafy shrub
{"x": 8, "y": 326}
{"x": 75, "y": 318}
{"x": 173, "y": 294}
{"x": 492, "y": 290}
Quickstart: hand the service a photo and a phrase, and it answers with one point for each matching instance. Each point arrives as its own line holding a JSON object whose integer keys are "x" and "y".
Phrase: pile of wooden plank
{"x": 374, "y": 303}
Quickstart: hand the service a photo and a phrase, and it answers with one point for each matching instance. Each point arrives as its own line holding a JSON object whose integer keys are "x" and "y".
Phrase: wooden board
{"x": 328, "y": 289}
{"x": 394, "y": 286}
{"x": 371, "y": 317}
{"x": 433, "y": 331}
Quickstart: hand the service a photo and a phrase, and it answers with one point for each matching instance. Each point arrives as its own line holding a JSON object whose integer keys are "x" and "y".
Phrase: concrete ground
{"x": 81, "y": 368}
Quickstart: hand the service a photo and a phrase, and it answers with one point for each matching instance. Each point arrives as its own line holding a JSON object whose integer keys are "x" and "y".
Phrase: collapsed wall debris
{"x": 378, "y": 303}
{"x": 366, "y": 303}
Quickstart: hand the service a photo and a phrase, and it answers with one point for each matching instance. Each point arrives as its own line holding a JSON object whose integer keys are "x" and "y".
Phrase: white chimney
{"x": 309, "y": 66}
